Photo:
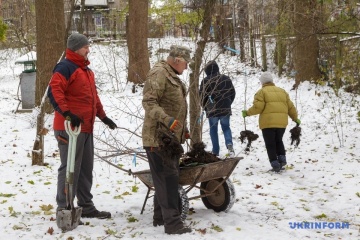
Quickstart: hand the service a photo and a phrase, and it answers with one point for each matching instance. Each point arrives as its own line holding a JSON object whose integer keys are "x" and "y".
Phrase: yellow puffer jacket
{"x": 274, "y": 106}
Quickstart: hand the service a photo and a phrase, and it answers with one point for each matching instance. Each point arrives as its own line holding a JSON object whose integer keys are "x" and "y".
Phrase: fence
{"x": 338, "y": 61}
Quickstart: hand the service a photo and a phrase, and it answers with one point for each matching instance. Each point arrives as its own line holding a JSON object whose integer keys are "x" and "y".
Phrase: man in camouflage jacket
{"x": 165, "y": 105}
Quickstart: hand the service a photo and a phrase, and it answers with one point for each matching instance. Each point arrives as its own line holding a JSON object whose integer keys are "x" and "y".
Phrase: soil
{"x": 295, "y": 135}
{"x": 198, "y": 155}
{"x": 250, "y": 136}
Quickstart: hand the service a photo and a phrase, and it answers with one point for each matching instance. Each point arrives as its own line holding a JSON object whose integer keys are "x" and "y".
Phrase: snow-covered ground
{"x": 320, "y": 185}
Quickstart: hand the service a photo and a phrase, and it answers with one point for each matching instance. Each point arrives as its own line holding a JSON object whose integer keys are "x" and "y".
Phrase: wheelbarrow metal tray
{"x": 145, "y": 177}
{"x": 207, "y": 172}
{"x": 195, "y": 174}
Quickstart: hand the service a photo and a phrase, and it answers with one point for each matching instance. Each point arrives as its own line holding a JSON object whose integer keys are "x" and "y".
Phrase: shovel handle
{"x": 73, "y": 134}
{"x": 69, "y": 130}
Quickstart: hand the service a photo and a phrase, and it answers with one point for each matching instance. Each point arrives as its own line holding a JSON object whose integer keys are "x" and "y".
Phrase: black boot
{"x": 282, "y": 160}
{"x": 96, "y": 214}
{"x": 275, "y": 165}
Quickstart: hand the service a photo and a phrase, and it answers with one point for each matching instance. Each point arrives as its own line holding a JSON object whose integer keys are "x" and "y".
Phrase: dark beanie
{"x": 77, "y": 41}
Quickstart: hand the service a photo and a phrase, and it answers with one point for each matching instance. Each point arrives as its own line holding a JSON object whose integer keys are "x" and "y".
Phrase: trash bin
{"x": 28, "y": 79}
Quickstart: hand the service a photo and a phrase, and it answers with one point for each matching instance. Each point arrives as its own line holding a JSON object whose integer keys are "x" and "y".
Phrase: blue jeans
{"x": 225, "y": 126}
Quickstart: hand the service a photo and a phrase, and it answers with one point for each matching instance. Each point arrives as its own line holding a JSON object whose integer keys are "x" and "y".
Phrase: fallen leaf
{"x": 202, "y": 231}
{"x": 50, "y": 230}
{"x": 44, "y": 131}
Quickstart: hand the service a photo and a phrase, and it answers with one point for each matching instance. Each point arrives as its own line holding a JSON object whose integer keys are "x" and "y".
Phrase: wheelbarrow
{"x": 212, "y": 179}
{"x": 69, "y": 218}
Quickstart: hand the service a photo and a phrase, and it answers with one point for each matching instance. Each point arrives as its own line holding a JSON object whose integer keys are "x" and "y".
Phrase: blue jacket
{"x": 217, "y": 92}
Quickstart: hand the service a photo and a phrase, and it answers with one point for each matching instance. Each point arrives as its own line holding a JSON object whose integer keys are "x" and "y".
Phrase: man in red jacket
{"x": 72, "y": 92}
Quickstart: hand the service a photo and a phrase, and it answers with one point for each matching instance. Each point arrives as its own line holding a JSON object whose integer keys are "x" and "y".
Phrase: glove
{"x": 244, "y": 113}
{"x": 109, "y": 122}
{"x": 187, "y": 135}
{"x": 298, "y": 122}
{"x": 174, "y": 125}
{"x": 75, "y": 120}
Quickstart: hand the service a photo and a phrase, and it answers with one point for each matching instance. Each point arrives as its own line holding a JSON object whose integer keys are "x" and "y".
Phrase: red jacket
{"x": 72, "y": 88}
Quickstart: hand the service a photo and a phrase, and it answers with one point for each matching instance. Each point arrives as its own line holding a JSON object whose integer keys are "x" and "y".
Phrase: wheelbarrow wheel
{"x": 221, "y": 199}
{"x": 183, "y": 204}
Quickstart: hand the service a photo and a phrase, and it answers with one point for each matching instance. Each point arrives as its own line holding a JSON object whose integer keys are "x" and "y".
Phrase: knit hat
{"x": 77, "y": 41}
{"x": 266, "y": 77}
{"x": 180, "y": 51}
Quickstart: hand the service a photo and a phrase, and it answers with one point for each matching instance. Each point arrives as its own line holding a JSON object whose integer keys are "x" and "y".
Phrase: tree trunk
{"x": 280, "y": 54}
{"x": 242, "y": 30}
{"x": 195, "y": 127}
{"x": 307, "y": 45}
{"x": 217, "y": 29}
{"x": 252, "y": 45}
{"x": 68, "y": 24}
{"x": 137, "y": 33}
{"x": 50, "y": 29}
{"x": 80, "y": 27}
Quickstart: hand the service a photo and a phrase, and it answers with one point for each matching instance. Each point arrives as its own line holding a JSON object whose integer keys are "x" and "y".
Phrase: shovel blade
{"x": 68, "y": 220}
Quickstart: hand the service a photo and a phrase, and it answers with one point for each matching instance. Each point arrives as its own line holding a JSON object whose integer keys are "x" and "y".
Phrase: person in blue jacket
{"x": 217, "y": 93}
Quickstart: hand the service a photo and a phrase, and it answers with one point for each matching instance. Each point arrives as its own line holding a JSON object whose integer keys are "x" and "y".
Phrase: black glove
{"x": 109, "y": 122}
{"x": 75, "y": 120}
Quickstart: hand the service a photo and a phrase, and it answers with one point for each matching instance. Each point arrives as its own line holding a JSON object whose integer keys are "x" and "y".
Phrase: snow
{"x": 30, "y": 56}
{"x": 321, "y": 184}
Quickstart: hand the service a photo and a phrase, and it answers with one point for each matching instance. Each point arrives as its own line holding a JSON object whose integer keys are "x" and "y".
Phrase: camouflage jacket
{"x": 164, "y": 96}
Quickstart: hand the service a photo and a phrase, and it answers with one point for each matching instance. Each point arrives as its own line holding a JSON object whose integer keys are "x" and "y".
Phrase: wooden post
{"x": 263, "y": 56}
{"x": 338, "y": 64}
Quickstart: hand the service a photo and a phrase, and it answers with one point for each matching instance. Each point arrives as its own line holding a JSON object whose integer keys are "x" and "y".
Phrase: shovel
{"x": 69, "y": 218}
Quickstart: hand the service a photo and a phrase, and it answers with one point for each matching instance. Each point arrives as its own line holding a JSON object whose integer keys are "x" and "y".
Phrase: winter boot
{"x": 231, "y": 152}
{"x": 282, "y": 160}
{"x": 275, "y": 165}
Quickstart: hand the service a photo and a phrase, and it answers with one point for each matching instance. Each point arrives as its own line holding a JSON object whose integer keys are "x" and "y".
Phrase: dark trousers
{"x": 273, "y": 142}
{"x": 84, "y": 164}
{"x": 166, "y": 197}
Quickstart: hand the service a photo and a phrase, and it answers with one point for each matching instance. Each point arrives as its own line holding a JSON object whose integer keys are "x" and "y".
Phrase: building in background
{"x": 101, "y": 18}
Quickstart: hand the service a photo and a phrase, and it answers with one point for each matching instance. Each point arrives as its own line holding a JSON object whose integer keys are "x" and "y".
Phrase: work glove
{"x": 244, "y": 113}
{"x": 298, "y": 122}
{"x": 109, "y": 122}
{"x": 75, "y": 120}
{"x": 174, "y": 125}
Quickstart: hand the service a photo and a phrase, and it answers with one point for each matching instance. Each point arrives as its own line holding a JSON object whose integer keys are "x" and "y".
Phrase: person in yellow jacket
{"x": 274, "y": 106}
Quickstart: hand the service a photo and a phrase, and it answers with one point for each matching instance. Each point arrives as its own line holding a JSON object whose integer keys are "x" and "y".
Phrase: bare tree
{"x": 20, "y": 22}
{"x": 49, "y": 44}
{"x": 81, "y": 20}
{"x": 307, "y": 45}
{"x": 137, "y": 33}
{"x": 194, "y": 76}
{"x": 243, "y": 25}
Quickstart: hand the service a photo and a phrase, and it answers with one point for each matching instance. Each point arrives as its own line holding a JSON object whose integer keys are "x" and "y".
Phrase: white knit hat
{"x": 266, "y": 77}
